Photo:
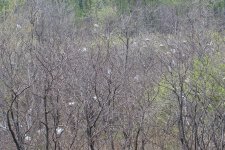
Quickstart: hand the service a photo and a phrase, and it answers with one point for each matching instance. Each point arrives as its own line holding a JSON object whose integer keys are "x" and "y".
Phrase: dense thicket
{"x": 112, "y": 74}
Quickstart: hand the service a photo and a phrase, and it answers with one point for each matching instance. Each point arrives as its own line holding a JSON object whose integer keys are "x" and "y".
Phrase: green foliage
{"x": 105, "y": 12}
{"x": 172, "y": 2}
{"x": 165, "y": 104}
{"x": 84, "y": 8}
{"x": 4, "y": 5}
{"x": 163, "y": 89}
{"x": 207, "y": 75}
{"x": 218, "y": 6}
{"x": 7, "y": 6}
{"x": 217, "y": 38}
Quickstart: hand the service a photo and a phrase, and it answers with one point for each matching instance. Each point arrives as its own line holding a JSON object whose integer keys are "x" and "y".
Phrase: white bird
{"x": 96, "y": 25}
{"x": 40, "y": 131}
{"x": 84, "y": 49}
{"x": 173, "y": 50}
{"x": 147, "y": 39}
{"x": 161, "y": 45}
{"x": 136, "y": 77}
{"x": 27, "y": 138}
{"x": 3, "y": 126}
{"x": 109, "y": 71}
{"x": 71, "y": 103}
{"x": 59, "y": 130}
{"x": 18, "y": 26}
{"x": 187, "y": 80}
{"x": 210, "y": 43}
{"x": 170, "y": 69}
{"x": 173, "y": 63}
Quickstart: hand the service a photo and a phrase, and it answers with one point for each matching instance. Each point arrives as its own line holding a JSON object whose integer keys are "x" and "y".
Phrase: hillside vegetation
{"x": 112, "y": 74}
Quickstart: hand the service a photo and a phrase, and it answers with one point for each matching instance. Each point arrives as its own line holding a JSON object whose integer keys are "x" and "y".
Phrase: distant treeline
{"x": 84, "y": 8}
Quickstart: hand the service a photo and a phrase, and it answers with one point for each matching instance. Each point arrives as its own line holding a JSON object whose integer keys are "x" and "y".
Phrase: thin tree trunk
{"x": 136, "y": 139}
{"x": 46, "y": 124}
